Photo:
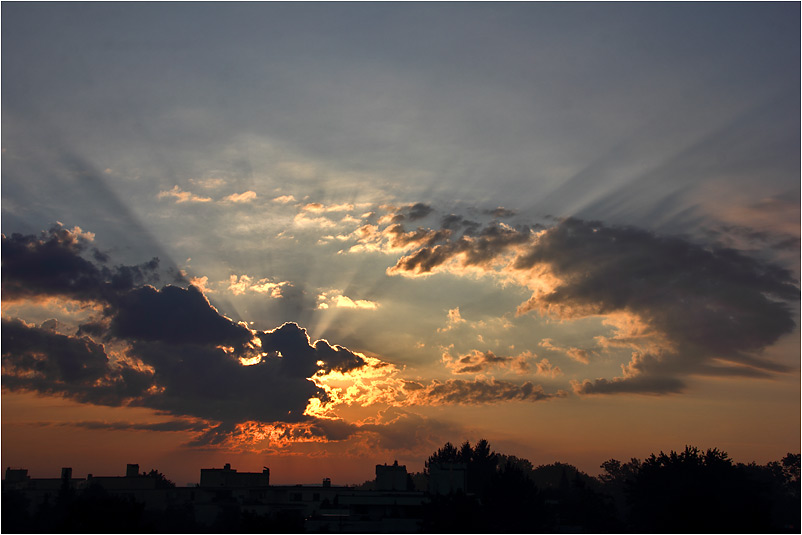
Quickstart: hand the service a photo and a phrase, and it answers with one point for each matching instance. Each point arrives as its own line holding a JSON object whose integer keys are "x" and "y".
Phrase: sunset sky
{"x": 317, "y": 237}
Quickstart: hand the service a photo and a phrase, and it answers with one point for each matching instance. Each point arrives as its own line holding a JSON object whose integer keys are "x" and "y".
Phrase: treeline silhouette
{"x": 691, "y": 491}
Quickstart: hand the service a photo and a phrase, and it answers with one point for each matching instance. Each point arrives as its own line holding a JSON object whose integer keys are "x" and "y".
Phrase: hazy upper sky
{"x": 570, "y": 228}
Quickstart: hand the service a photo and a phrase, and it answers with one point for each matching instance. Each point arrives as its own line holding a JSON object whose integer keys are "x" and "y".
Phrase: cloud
{"x": 500, "y": 212}
{"x": 481, "y": 361}
{"x": 42, "y": 353}
{"x": 544, "y": 367}
{"x": 207, "y": 183}
{"x": 396, "y": 429}
{"x": 478, "y": 391}
{"x": 182, "y": 196}
{"x": 173, "y": 351}
{"x": 302, "y": 220}
{"x": 245, "y": 283}
{"x": 284, "y": 199}
{"x": 698, "y": 306}
{"x": 40, "y": 360}
{"x": 454, "y": 319}
{"x": 392, "y": 429}
{"x": 319, "y": 207}
{"x": 574, "y": 353}
{"x": 172, "y": 367}
{"x": 708, "y": 302}
{"x": 630, "y": 385}
{"x": 170, "y": 426}
{"x": 174, "y": 315}
{"x": 336, "y": 299}
{"x": 418, "y": 211}
{"x": 455, "y": 222}
{"x": 409, "y": 212}
{"x": 482, "y": 251}
{"x": 53, "y": 264}
{"x": 246, "y": 196}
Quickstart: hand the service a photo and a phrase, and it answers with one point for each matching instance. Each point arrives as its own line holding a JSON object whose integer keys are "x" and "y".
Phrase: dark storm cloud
{"x": 192, "y": 376}
{"x": 207, "y": 382}
{"x": 455, "y": 222}
{"x": 182, "y": 356}
{"x": 716, "y": 307}
{"x": 175, "y": 316}
{"x": 291, "y": 339}
{"x": 774, "y": 240}
{"x": 40, "y": 360}
{"x": 631, "y": 385}
{"x": 52, "y": 264}
{"x": 477, "y": 250}
{"x": 46, "y": 354}
{"x": 418, "y": 211}
{"x": 710, "y": 301}
{"x": 189, "y": 377}
{"x": 412, "y": 212}
{"x": 169, "y": 426}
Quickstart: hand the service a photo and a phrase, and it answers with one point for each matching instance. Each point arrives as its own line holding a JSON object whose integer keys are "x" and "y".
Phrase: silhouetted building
{"x": 40, "y": 490}
{"x": 392, "y": 477}
{"x": 229, "y": 478}
{"x": 225, "y": 493}
{"x": 132, "y": 470}
{"x": 15, "y": 476}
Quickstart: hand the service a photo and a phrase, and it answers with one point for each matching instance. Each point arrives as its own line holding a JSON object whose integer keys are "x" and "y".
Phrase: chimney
{"x": 66, "y": 473}
{"x": 132, "y": 470}
{"x": 327, "y": 482}
{"x": 227, "y": 466}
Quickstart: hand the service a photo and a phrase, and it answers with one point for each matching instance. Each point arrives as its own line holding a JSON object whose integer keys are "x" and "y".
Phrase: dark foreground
{"x": 465, "y": 490}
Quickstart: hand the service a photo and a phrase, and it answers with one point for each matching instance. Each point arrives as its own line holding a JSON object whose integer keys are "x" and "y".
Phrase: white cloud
{"x": 244, "y": 283}
{"x": 336, "y": 299}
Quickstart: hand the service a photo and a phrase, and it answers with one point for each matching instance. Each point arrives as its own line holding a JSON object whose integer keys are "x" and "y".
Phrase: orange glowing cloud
{"x": 246, "y": 196}
{"x": 182, "y": 196}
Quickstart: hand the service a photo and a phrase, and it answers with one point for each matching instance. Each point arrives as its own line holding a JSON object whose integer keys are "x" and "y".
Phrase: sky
{"x": 321, "y": 236}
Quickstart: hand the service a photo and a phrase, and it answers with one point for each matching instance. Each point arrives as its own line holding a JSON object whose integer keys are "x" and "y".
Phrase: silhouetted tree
{"x": 447, "y": 454}
{"x": 481, "y": 468}
{"x": 695, "y": 491}
{"x": 161, "y": 480}
{"x": 465, "y": 454}
{"x": 617, "y": 480}
{"x": 524, "y": 465}
{"x": 512, "y": 503}
{"x": 455, "y": 513}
